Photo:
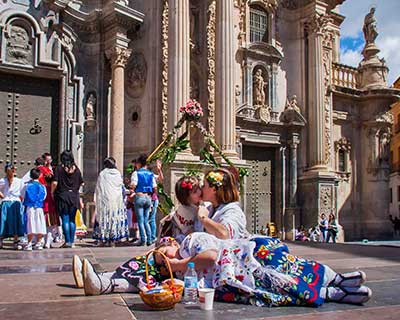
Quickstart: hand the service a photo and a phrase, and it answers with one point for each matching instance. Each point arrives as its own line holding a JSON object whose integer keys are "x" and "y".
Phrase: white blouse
{"x": 13, "y": 192}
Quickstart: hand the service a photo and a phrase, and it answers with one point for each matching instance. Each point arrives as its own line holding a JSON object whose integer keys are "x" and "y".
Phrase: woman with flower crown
{"x": 226, "y": 219}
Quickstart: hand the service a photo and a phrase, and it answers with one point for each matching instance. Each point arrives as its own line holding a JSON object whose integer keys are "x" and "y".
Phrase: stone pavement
{"x": 39, "y": 285}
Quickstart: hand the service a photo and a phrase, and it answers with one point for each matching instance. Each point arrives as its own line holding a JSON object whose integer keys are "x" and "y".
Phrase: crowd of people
{"x": 44, "y": 205}
{"x": 40, "y": 208}
{"x": 209, "y": 229}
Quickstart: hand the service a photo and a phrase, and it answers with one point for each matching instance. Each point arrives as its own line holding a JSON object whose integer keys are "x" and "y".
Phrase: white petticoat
{"x": 36, "y": 224}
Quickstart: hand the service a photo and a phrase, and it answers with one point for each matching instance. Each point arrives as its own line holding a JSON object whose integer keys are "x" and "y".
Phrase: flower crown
{"x": 187, "y": 185}
{"x": 166, "y": 239}
{"x": 215, "y": 179}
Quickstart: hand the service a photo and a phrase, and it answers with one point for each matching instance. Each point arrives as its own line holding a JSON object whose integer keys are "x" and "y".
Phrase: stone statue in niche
{"x": 384, "y": 149}
{"x": 90, "y": 107}
{"x": 136, "y": 74}
{"x": 237, "y": 96}
{"x": 262, "y": 110}
{"x": 369, "y": 29}
{"x": 259, "y": 86}
{"x": 19, "y": 48}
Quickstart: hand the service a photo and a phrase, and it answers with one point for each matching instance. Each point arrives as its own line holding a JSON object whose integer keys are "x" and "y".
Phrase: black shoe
{"x": 139, "y": 243}
{"x": 150, "y": 243}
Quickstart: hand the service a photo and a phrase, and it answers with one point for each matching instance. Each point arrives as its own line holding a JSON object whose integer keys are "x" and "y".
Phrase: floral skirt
{"x": 112, "y": 225}
{"x": 271, "y": 253}
{"x": 12, "y": 220}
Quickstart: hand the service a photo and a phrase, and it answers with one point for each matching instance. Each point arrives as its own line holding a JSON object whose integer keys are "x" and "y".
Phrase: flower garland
{"x": 170, "y": 147}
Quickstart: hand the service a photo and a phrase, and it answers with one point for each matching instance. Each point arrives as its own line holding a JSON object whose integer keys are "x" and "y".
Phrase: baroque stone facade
{"x": 313, "y": 133}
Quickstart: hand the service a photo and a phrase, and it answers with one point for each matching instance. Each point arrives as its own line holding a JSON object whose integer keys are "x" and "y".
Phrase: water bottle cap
{"x": 190, "y": 265}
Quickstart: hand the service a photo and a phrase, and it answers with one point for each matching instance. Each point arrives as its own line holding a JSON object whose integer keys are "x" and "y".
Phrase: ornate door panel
{"x": 28, "y": 120}
{"x": 259, "y": 188}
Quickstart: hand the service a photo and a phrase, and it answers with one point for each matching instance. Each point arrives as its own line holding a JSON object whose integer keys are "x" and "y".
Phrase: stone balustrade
{"x": 344, "y": 76}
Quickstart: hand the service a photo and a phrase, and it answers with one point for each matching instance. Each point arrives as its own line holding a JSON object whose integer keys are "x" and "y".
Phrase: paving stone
{"x": 39, "y": 285}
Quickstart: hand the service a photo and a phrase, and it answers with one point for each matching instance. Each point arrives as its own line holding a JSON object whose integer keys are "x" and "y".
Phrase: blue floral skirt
{"x": 12, "y": 221}
{"x": 307, "y": 278}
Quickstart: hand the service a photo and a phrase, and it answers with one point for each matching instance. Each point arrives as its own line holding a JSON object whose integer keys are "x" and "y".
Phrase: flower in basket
{"x": 191, "y": 110}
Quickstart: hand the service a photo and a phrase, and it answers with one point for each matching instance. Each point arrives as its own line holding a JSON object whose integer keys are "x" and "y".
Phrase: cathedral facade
{"x": 108, "y": 77}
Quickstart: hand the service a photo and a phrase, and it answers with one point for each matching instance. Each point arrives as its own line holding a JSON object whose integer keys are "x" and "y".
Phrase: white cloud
{"x": 387, "y": 15}
{"x": 350, "y": 57}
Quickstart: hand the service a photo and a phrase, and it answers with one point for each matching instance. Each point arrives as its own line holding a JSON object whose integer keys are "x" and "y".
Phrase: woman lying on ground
{"x": 257, "y": 271}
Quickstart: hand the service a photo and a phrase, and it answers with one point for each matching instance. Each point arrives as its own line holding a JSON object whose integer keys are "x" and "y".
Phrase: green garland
{"x": 169, "y": 148}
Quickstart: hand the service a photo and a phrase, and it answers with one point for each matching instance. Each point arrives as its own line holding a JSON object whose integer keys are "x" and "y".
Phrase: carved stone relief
{"x": 293, "y": 104}
{"x": 19, "y": 46}
{"x": 136, "y": 75}
{"x": 326, "y": 199}
{"x": 211, "y": 42}
{"x": 118, "y": 56}
{"x": 164, "y": 74}
{"x": 343, "y": 144}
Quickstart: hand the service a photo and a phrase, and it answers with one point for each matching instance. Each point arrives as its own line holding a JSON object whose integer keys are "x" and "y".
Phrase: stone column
{"x": 316, "y": 94}
{"x": 225, "y": 93}
{"x": 283, "y": 190}
{"x": 119, "y": 57}
{"x": 293, "y": 174}
{"x": 178, "y": 59}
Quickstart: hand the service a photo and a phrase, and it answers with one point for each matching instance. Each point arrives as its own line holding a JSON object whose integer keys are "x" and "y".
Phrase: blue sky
{"x": 352, "y": 39}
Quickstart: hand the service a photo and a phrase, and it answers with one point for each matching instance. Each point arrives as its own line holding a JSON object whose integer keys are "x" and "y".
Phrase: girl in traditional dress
{"x": 34, "y": 196}
{"x": 184, "y": 219}
{"x": 110, "y": 207}
{"x": 12, "y": 222}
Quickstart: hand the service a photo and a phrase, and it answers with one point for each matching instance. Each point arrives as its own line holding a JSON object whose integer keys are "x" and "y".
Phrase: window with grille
{"x": 342, "y": 161}
{"x": 258, "y": 25}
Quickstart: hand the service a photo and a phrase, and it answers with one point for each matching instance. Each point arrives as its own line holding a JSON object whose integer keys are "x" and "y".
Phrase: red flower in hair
{"x": 187, "y": 185}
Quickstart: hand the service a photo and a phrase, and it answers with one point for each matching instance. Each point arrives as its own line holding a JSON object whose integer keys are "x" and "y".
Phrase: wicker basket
{"x": 171, "y": 295}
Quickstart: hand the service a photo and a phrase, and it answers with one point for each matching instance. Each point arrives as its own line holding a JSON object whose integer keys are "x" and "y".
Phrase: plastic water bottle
{"x": 190, "y": 292}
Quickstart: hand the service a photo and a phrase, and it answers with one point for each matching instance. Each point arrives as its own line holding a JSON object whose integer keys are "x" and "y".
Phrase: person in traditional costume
{"x": 261, "y": 271}
{"x": 111, "y": 217}
{"x": 12, "y": 222}
{"x": 225, "y": 219}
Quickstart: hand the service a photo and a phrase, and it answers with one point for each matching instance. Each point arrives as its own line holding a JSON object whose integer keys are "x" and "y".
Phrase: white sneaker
{"x": 38, "y": 246}
{"x": 353, "y": 295}
{"x": 28, "y": 247}
{"x": 349, "y": 279}
{"x": 77, "y": 271}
